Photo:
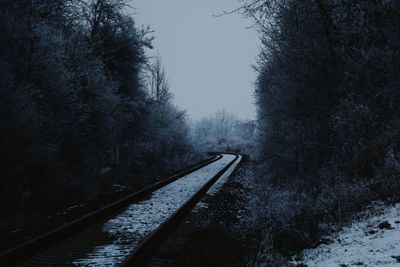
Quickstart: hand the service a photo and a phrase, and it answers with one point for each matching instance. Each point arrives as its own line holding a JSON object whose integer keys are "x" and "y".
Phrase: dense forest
{"x": 81, "y": 106}
{"x": 327, "y": 97}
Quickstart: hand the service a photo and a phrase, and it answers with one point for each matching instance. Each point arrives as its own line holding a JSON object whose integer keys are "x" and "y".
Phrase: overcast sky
{"x": 207, "y": 59}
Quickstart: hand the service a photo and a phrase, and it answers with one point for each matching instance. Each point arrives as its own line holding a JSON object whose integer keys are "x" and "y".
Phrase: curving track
{"x": 125, "y": 238}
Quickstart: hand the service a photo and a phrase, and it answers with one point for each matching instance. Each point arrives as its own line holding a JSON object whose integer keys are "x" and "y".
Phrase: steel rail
{"x": 154, "y": 240}
{"x": 24, "y": 251}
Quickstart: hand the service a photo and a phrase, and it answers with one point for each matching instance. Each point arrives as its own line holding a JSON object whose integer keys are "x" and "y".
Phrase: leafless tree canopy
{"x": 158, "y": 84}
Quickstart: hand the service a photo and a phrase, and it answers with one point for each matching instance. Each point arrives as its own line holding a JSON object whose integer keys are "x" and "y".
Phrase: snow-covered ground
{"x": 215, "y": 188}
{"x": 133, "y": 225}
{"x": 372, "y": 241}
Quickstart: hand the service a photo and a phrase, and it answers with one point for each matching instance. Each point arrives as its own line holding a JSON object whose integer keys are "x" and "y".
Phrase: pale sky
{"x": 207, "y": 59}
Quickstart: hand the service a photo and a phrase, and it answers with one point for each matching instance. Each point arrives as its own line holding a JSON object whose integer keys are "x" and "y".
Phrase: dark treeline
{"x": 327, "y": 96}
{"x": 81, "y": 106}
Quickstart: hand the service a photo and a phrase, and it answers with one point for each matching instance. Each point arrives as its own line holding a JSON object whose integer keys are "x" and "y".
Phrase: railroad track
{"x": 125, "y": 232}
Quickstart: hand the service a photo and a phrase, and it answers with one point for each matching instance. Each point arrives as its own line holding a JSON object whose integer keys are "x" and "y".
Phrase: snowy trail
{"x": 365, "y": 243}
{"x": 134, "y": 224}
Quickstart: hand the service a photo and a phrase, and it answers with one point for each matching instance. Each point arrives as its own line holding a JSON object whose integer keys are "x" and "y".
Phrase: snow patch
{"x": 365, "y": 243}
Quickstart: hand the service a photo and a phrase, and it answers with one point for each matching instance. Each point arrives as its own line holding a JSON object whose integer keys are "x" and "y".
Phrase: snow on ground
{"x": 133, "y": 225}
{"x": 218, "y": 184}
{"x": 369, "y": 242}
{"x": 215, "y": 188}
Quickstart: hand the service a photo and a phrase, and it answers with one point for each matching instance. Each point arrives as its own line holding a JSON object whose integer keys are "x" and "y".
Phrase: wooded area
{"x": 83, "y": 108}
{"x": 327, "y": 96}
{"x": 79, "y": 107}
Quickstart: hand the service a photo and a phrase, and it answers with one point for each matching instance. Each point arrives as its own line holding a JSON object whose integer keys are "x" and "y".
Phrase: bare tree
{"x": 159, "y": 88}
